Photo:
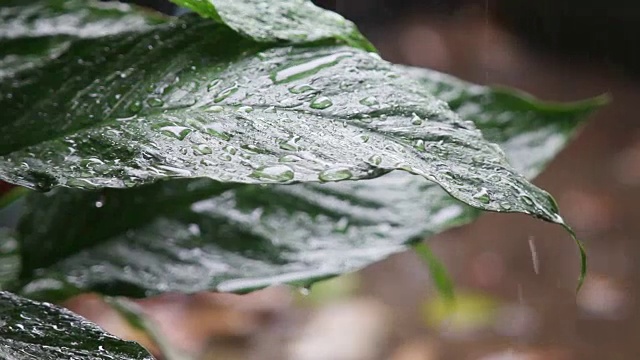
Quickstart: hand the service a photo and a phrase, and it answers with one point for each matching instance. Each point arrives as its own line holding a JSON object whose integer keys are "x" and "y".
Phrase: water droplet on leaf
{"x": 482, "y": 196}
{"x": 213, "y": 84}
{"x": 321, "y": 102}
{"x": 203, "y": 149}
{"x": 291, "y": 144}
{"x": 369, "y": 101}
{"x": 215, "y": 108}
{"x": 135, "y": 107}
{"x": 505, "y": 205}
{"x": 335, "y": 174}
{"x": 375, "y": 159}
{"x": 300, "y": 88}
{"x": 155, "y": 102}
{"x": 527, "y": 200}
{"x": 226, "y": 93}
{"x": 175, "y": 131}
{"x": 276, "y": 173}
{"x": 307, "y": 68}
{"x": 289, "y": 158}
{"x": 416, "y": 120}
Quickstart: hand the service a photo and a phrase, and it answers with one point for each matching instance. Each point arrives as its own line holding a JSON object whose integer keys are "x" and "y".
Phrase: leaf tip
{"x": 583, "y": 256}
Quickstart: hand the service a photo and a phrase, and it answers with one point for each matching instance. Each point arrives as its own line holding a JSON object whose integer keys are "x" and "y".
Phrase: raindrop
{"x": 194, "y": 229}
{"x": 100, "y": 202}
{"x": 91, "y": 162}
{"x": 215, "y": 108}
{"x": 176, "y": 131}
{"x": 276, "y": 173}
{"x": 307, "y": 68}
{"x": 289, "y": 158}
{"x": 479, "y": 159}
{"x": 300, "y": 88}
{"x": 482, "y": 196}
{"x": 245, "y": 109}
{"x": 230, "y": 149}
{"x": 216, "y": 130}
{"x": 321, "y": 102}
{"x": 342, "y": 225}
{"x": 155, "y": 102}
{"x": 289, "y": 103}
{"x": 362, "y": 137}
{"x": 291, "y": 144}
{"x": 305, "y": 290}
{"x": 416, "y": 120}
{"x": 225, "y": 157}
{"x": 419, "y": 145}
{"x": 369, "y": 101}
{"x": 203, "y": 149}
{"x": 375, "y": 159}
{"x": 527, "y": 200}
{"x": 175, "y": 170}
{"x": 335, "y": 174}
{"x": 534, "y": 255}
{"x": 226, "y": 93}
{"x": 505, "y": 205}
{"x": 212, "y": 85}
{"x": 254, "y": 149}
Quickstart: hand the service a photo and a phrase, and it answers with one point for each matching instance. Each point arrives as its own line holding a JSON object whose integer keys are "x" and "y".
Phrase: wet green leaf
{"x": 167, "y": 103}
{"x": 31, "y": 330}
{"x": 271, "y": 21}
{"x": 32, "y": 33}
{"x": 193, "y": 235}
{"x": 530, "y": 131}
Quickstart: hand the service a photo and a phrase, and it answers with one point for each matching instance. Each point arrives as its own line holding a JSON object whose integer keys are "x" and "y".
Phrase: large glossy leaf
{"x": 193, "y": 235}
{"x": 134, "y": 108}
{"x": 30, "y": 330}
{"x": 280, "y": 20}
{"x": 531, "y": 132}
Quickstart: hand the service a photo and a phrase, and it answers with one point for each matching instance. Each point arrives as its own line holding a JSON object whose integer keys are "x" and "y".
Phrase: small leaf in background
{"x": 9, "y": 258}
{"x": 32, "y": 330}
{"x": 467, "y": 314}
{"x": 439, "y": 275}
{"x": 136, "y": 317}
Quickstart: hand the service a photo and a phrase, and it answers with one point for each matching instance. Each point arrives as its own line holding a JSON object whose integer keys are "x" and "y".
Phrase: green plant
{"x": 212, "y": 152}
